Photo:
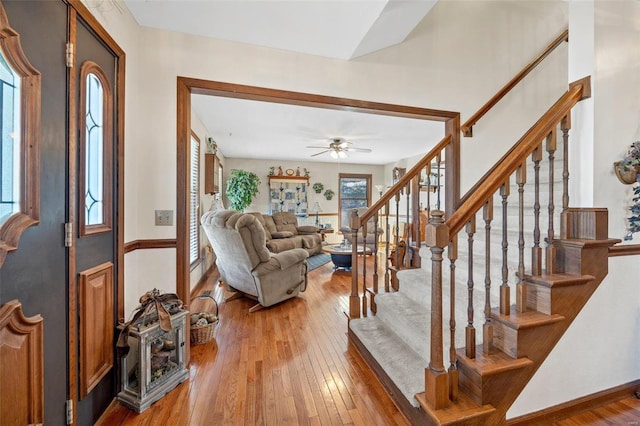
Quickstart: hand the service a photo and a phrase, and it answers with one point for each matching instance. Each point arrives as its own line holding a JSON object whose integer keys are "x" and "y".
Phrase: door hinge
{"x": 68, "y": 234}
{"x": 69, "y": 409}
{"x": 69, "y": 55}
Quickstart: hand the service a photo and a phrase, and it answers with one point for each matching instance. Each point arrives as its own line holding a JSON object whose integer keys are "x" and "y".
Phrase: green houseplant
{"x": 242, "y": 186}
{"x": 328, "y": 194}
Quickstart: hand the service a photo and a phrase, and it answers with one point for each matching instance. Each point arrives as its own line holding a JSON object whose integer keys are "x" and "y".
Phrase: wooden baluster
{"x": 354, "y": 223}
{"x": 438, "y": 164}
{"x": 521, "y": 294}
{"x": 407, "y": 257}
{"x": 396, "y": 267}
{"x": 487, "y": 329}
{"x": 550, "y": 255}
{"x": 565, "y": 125}
{"x": 470, "y": 331}
{"x": 375, "y": 255}
{"x": 386, "y": 248}
{"x": 436, "y": 377}
{"x": 505, "y": 295}
{"x": 536, "y": 251}
{"x": 354, "y": 298}
{"x": 453, "y": 369}
{"x": 364, "y": 265}
{"x": 428, "y": 168}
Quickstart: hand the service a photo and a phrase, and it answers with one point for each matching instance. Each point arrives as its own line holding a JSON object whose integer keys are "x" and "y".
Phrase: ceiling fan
{"x": 338, "y": 148}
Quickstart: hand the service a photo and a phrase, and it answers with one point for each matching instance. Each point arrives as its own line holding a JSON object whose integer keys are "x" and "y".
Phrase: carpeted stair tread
{"x": 406, "y": 318}
{"x": 403, "y": 366}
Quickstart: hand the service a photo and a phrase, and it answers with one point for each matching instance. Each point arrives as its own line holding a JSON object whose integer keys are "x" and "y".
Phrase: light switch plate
{"x": 164, "y": 217}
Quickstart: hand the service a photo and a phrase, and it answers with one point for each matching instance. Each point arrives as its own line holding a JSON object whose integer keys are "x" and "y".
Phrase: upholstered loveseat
{"x": 283, "y": 233}
{"x": 245, "y": 264}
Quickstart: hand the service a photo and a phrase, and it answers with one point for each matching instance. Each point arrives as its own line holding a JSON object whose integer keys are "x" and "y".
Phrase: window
{"x": 95, "y": 151}
{"x": 10, "y": 150}
{"x": 194, "y": 195}
{"x": 355, "y": 192}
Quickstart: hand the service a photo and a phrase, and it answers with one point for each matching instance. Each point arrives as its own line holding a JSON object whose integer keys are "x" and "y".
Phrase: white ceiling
{"x": 263, "y": 130}
{"x": 340, "y": 29}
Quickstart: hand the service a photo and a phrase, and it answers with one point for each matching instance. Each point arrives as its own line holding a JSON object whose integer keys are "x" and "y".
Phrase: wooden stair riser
{"x": 518, "y": 343}
{"x": 582, "y": 260}
{"x": 550, "y": 300}
{"x": 489, "y": 389}
{"x": 584, "y": 224}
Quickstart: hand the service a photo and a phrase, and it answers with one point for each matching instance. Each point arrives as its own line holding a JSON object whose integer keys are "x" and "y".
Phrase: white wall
{"x": 458, "y": 57}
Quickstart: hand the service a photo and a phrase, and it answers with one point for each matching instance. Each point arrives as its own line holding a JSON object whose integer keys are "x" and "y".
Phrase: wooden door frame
{"x": 78, "y": 9}
{"x": 187, "y": 86}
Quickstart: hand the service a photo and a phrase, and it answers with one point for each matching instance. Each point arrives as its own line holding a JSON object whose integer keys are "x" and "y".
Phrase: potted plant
{"x": 328, "y": 194}
{"x": 318, "y": 187}
{"x": 242, "y": 186}
{"x": 628, "y": 171}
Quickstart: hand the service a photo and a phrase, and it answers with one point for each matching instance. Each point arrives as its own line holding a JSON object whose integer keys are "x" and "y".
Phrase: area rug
{"x": 318, "y": 260}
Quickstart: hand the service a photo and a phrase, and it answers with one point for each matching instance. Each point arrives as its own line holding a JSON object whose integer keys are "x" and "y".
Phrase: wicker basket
{"x": 205, "y": 333}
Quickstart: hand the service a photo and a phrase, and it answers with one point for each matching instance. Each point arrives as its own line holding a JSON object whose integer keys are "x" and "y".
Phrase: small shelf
{"x": 289, "y": 178}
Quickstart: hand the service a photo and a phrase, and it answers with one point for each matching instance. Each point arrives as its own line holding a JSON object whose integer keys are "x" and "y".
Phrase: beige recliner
{"x": 373, "y": 232}
{"x": 245, "y": 263}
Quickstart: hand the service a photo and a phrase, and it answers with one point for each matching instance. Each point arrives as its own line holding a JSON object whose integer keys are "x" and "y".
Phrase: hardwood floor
{"x": 290, "y": 364}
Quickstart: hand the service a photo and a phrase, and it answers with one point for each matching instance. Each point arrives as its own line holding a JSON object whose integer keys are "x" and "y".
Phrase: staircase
{"x": 457, "y": 343}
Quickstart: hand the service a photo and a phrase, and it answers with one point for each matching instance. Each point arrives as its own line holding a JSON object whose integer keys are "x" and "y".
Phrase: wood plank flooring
{"x": 290, "y": 364}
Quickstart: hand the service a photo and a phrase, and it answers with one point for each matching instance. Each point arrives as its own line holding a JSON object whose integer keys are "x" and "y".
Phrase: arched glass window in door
{"x": 20, "y": 101}
{"x": 95, "y": 151}
{"x": 10, "y": 148}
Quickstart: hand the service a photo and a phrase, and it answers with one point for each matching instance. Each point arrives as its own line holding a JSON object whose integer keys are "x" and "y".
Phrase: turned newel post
{"x": 354, "y": 305}
{"x": 436, "y": 379}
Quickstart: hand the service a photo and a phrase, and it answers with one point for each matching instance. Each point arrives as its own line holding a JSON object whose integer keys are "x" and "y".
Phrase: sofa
{"x": 245, "y": 264}
{"x": 283, "y": 233}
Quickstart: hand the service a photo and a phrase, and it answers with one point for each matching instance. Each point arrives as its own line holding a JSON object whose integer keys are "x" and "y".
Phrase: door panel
{"x": 36, "y": 273}
{"x": 93, "y": 250}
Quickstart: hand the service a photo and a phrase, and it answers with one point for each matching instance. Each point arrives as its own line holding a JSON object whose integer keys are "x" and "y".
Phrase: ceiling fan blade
{"x": 318, "y": 147}
{"x": 321, "y": 152}
{"x": 351, "y": 149}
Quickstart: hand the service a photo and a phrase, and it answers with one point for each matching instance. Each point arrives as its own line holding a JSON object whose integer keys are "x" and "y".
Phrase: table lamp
{"x": 316, "y": 209}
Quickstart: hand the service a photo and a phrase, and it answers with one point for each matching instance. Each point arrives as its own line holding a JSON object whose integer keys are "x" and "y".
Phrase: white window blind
{"x": 194, "y": 211}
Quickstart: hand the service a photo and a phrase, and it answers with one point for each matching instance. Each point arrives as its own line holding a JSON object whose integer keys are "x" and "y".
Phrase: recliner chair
{"x": 373, "y": 233}
{"x": 245, "y": 263}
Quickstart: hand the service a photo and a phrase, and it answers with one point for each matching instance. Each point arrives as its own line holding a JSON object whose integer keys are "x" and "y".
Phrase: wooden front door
{"x": 70, "y": 275}
{"x": 93, "y": 253}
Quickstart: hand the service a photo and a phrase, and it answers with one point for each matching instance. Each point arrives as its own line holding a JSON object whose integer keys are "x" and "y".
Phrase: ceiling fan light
{"x": 342, "y": 154}
{"x": 334, "y": 154}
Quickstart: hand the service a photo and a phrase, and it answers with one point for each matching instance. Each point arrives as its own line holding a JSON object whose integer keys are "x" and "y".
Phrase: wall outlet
{"x": 164, "y": 217}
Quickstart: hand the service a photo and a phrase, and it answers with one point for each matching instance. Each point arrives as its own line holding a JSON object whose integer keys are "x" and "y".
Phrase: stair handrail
{"x": 467, "y": 127}
{"x": 404, "y": 180}
{"x": 475, "y": 198}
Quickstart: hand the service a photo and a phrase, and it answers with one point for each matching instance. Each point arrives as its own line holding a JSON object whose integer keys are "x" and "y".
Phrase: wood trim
{"x": 624, "y": 250}
{"x": 186, "y": 86}
{"x": 467, "y": 127}
{"x": 576, "y": 406}
{"x": 149, "y": 244}
{"x": 72, "y": 152}
{"x": 84, "y": 230}
{"x": 230, "y": 90}
{"x": 22, "y": 349}
{"x": 30, "y": 110}
{"x": 96, "y": 325}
